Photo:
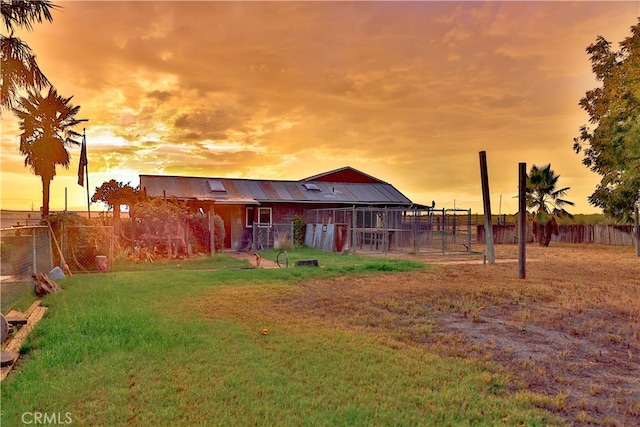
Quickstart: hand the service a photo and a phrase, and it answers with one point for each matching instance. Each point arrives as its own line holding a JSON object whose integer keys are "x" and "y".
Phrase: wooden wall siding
{"x": 234, "y": 217}
{"x": 226, "y": 213}
{"x": 347, "y": 175}
{"x": 283, "y": 213}
{"x": 602, "y": 234}
{"x": 237, "y": 240}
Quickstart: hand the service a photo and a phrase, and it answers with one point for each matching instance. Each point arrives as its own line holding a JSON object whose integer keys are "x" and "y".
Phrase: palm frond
{"x": 541, "y": 192}
{"x": 25, "y": 13}
{"x": 19, "y": 71}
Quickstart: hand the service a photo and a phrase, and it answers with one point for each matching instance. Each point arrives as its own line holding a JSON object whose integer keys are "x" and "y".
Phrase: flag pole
{"x": 83, "y": 166}
{"x": 86, "y": 168}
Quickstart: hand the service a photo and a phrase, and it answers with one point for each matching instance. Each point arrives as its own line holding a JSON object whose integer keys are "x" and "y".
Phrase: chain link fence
{"x": 276, "y": 236}
{"x": 389, "y": 230}
{"x": 88, "y": 248}
{"x": 25, "y": 251}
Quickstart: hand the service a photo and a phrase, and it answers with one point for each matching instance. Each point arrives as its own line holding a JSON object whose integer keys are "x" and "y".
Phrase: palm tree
{"x": 46, "y": 124}
{"x": 547, "y": 202}
{"x": 18, "y": 65}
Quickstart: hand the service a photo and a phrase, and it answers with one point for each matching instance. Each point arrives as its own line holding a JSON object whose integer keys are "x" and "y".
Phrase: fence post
{"x": 416, "y": 218}
{"x": 469, "y": 230}
{"x": 522, "y": 223}
{"x": 385, "y": 229}
{"x": 354, "y": 231}
{"x": 212, "y": 229}
{"x": 34, "y": 253}
{"x": 444, "y": 234}
{"x": 486, "y": 198}
{"x": 637, "y": 231}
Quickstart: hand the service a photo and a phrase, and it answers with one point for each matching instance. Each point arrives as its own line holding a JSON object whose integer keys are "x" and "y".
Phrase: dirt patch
{"x": 260, "y": 262}
{"x": 570, "y": 330}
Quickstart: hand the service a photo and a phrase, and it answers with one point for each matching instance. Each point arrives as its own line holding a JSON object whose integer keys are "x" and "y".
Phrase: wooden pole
{"x": 212, "y": 229}
{"x": 469, "y": 230}
{"x": 65, "y": 266}
{"x": 488, "y": 226}
{"x": 444, "y": 235}
{"x": 354, "y": 229}
{"x": 522, "y": 220}
{"x": 637, "y": 231}
{"x": 86, "y": 174}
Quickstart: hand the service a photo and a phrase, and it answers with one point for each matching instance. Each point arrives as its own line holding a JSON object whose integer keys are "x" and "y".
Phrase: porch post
{"x": 354, "y": 229}
{"x": 212, "y": 230}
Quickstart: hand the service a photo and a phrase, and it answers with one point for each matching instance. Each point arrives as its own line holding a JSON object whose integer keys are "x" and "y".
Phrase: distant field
{"x": 411, "y": 340}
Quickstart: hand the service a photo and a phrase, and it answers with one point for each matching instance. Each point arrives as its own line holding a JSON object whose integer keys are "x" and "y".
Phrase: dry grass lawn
{"x": 570, "y": 330}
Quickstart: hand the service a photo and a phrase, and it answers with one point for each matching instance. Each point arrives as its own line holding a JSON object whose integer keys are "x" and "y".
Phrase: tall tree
{"x": 115, "y": 193}
{"x": 46, "y": 124}
{"x": 546, "y": 202}
{"x": 18, "y": 66}
{"x": 612, "y": 147}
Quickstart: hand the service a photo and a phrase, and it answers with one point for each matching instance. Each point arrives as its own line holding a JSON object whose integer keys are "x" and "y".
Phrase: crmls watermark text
{"x": 55, "y": 418}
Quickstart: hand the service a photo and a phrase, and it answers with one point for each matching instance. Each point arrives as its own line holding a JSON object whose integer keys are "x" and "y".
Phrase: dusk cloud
{"x": 405, "y": 91}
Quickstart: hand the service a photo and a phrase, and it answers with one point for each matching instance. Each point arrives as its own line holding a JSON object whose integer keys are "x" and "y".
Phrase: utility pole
{"x": 488, "y": 226}
{"x": 522, "y": 220}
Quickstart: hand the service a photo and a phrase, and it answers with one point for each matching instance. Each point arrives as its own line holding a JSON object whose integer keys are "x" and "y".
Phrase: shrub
{"x": 299, "y": 226}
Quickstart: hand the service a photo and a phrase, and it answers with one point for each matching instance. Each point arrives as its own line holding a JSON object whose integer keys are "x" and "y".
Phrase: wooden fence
{"x": 602, "y": 234}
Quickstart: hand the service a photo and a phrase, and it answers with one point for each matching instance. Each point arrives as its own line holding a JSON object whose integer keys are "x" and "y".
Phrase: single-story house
{"x": 242, "y": 202}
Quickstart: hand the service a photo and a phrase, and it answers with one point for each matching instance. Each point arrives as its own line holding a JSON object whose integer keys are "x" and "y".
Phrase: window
{"x": 216, "y": 186}
{"x": 311, "y": 187}
{"x": 249, "y": 217}
{"x": 264, "y": 216}
{"x": 259, "y": 215}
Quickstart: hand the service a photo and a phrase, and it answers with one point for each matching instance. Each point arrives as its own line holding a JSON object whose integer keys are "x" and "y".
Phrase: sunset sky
{"x": 408, "y": 92}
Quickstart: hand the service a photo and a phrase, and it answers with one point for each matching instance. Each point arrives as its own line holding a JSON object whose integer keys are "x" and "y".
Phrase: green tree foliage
{"x": 114, "y": 194}
{"x": 298, "y": 230}
{"x": 46, "y": 124}
{"x": 542, "y": 195}
{"x": 18, "y": 64}
{"x": 161, "y": 227}
{"x": 546, "y": 202}
{"x": 612, "y": 147}
{"x": 219, "y": 232}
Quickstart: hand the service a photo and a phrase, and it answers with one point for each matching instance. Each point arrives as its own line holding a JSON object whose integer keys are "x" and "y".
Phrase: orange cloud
{"x": 406, "y": 91}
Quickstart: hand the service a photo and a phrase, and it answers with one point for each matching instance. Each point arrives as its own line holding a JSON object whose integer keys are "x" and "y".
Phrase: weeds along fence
{"x": 603, "y": 234}
{"x": 25, "y": 251}
{"x": 384, "y": 230}
{"x": 88, "y": 248}
{"x": 267, "y": 236}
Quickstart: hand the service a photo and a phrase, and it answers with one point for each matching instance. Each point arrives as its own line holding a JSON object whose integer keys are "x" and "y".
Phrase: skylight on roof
{"x": 311, "y": 187}
{"x": 216, "y": 186}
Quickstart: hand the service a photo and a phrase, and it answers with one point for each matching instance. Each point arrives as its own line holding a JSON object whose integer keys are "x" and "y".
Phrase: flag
{"x": 83, "y": 162}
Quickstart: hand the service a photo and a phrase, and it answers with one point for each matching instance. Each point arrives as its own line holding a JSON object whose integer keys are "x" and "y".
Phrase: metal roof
{"x": 250, "y": 191}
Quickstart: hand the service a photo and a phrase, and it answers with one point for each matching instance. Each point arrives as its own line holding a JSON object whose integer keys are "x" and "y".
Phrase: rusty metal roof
{"x": 252, "y": 191}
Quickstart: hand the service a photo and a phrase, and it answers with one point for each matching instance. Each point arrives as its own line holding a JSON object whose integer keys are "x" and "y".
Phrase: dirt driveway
{"x": 570, "y": 330}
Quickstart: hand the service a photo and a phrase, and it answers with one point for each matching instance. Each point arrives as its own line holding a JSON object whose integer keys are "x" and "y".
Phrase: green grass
{"x": 218, "y": 261}
{"x": 330, "y": 262}
{"x": 185, "y": 347}
{"x": 18, "y": 295}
